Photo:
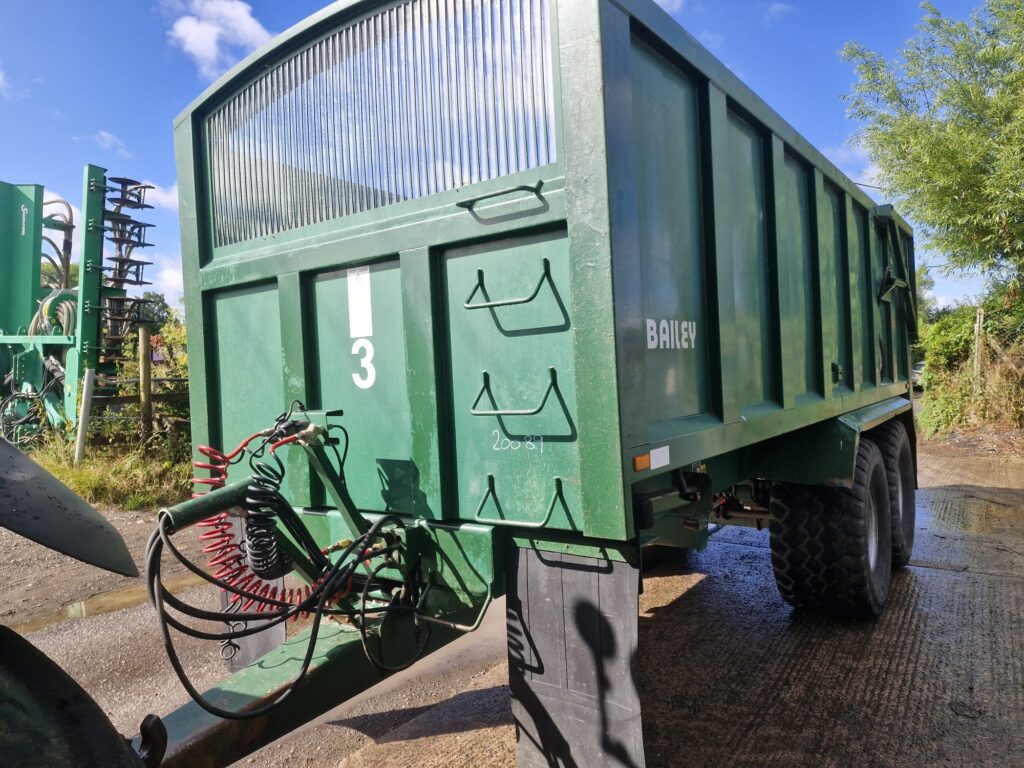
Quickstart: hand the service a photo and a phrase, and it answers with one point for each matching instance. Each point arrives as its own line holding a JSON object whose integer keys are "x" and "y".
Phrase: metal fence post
{"x": 145, "y": 383}
{"x": 83, "y": 414}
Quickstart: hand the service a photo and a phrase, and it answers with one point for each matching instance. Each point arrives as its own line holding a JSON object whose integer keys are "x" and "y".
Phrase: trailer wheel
{"x": 829, "y": 548}
{"x": 893, "y": 442}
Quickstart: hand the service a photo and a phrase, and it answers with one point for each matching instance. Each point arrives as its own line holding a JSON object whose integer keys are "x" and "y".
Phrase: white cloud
{"x": 853, "y": 159}
{"x": 214, "y": 32}
{"x": 162, "y": 197}
{"x": 165, "y": 274}
{"x": 107, "y": 141}
{"x": 848, "y": 154}
{"x": 51, "y": 195}
{"x": 711, "y": 40}
{"x": 672, "y": 6}
{"x": 776, "y": 11}
{"x": 6, "y": 91}
{"x": 871, "y": 175}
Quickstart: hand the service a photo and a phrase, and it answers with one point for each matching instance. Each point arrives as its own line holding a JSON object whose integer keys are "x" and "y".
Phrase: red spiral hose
{"x": 224, "y": 548}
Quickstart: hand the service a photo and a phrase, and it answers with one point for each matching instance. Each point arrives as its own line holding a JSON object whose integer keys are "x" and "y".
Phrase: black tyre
{"x": 894, "y": 443}
{"x": 829, "y": 548}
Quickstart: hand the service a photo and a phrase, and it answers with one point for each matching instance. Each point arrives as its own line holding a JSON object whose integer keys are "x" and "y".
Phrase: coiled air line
{"x": 357, "y": 562}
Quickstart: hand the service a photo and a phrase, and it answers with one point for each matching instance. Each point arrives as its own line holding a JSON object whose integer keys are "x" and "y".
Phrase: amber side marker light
{"x": 641, "y": 462}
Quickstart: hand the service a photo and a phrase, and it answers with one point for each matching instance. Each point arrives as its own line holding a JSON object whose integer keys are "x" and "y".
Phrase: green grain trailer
{"x": 569, "y": 288}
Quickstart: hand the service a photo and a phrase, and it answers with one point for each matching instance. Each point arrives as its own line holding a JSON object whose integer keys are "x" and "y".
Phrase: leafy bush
{"x": 954, "y": 396}
{"x": 946, "y": 402}
{"x": 948, "y": 340}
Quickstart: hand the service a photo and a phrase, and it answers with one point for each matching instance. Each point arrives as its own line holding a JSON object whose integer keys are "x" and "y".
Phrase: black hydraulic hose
{"x": 267, "y": 619}
{"x": 291, "y": 521}
{"x": 423, "y": 632}
{"x": 224, "y": 713}
{"x": 326, "y": 588}
{"x": 265, "y": 558}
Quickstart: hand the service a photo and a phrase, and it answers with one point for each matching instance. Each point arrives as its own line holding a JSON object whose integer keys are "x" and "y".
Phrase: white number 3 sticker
{"x": 364, "y": 380}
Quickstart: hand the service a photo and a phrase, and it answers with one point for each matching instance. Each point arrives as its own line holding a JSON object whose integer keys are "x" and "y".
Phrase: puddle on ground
{"x": 107, "y": 602}
{"x": 973, "y": 513}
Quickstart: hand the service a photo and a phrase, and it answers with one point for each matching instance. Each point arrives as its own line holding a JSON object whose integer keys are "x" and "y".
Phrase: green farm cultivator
{"x": 52, "y": 331}
{"x": 483, "y": 299}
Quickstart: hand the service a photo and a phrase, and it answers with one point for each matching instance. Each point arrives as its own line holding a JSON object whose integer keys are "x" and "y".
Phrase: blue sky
{"x": 101, "y": 82}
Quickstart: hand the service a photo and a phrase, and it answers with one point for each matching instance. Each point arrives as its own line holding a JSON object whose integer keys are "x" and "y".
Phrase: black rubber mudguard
{"x": 572, "y": 648}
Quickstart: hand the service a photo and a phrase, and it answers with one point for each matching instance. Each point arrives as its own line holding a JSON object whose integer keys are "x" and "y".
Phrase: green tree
{"x": 51, "y": 275}
{"x": 172, "y": 344}
{"x": 925, "y": 297}
{"x": 158, "y": 310}
{"x": 949, "y": 338}
{"x": 944, "y": 123}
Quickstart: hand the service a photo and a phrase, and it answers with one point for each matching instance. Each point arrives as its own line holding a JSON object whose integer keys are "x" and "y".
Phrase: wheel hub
{"x": 899, "y": 505}
{"x": 872, "y": 532}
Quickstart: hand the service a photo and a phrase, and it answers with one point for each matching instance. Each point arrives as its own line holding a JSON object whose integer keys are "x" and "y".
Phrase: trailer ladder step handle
{"x": 889, "y": 283}
{"x": 486, "y": 389}
{"x": 546, "y": 275}
{"x": 451, "y": 624}
{"x": 470, "y": 202}
{"x": 500, "y": 521}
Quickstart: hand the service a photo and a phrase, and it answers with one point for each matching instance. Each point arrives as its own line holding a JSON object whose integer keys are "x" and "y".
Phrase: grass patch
{"x": 126, "y": 477}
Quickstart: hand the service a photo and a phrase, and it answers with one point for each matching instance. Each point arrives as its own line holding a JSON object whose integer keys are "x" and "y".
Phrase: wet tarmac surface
{"x": 731, "y": 676}
{"x": 938, "y": 680}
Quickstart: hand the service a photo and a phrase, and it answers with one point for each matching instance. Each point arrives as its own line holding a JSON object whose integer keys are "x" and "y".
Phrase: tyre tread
{"x": 817, "y": 542}
{"x": 891, "y": 439}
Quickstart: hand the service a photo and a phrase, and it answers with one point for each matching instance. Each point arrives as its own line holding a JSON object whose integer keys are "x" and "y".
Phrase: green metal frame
{"x": 21, "y": 225}
{"x": 90, "y": 275}
{"x": 21, "y": 238}
{"x": 409, "y": 229}
{"x": 22, "y": 297}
